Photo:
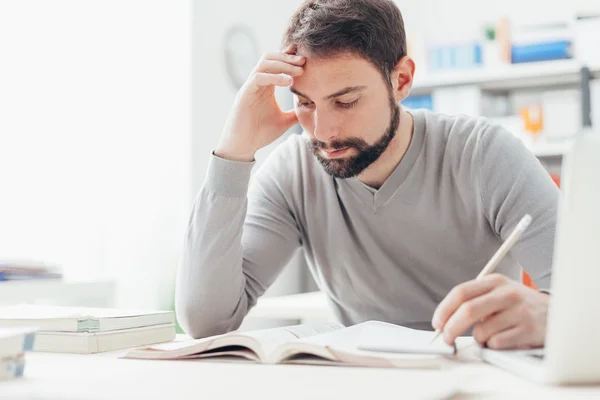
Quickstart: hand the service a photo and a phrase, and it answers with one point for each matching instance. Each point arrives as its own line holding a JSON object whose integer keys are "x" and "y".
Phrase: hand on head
{"x": 256, "y": 120}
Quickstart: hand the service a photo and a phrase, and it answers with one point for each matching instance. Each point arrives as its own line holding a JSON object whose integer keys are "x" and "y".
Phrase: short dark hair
{"x": 373, "y": 29}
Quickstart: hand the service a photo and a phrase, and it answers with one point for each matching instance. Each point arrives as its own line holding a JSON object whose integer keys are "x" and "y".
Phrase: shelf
{"x": 552, "y": 149}
{"x": 511, "y": 76}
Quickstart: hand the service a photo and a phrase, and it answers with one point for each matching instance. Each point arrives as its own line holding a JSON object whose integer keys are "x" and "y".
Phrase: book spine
{"x": 28, "y": 341}
{"x": 12, "y": 367}
{"x": 17, "y": 344}
{"x": 541, "y": 52}
{"x": 416, "y": 102}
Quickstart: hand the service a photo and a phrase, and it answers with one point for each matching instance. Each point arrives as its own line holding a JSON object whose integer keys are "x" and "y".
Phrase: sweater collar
{"x": 377, "y": 198}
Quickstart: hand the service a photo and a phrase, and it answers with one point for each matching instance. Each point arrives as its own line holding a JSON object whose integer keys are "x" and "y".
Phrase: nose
{"x": 326, "y": 126}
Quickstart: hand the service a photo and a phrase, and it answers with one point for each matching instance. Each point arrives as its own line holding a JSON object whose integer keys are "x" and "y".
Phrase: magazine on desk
{"x": 319, "y": 343}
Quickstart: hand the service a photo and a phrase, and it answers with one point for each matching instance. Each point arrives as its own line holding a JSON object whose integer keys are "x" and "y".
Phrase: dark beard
{"x": 344, "y": 168}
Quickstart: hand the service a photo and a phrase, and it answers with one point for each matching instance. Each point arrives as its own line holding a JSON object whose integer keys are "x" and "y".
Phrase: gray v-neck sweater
{"x": 390, "y": 254}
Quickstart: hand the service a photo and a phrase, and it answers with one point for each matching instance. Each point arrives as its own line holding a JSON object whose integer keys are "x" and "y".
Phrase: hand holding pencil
{"x": 504, "y": 313}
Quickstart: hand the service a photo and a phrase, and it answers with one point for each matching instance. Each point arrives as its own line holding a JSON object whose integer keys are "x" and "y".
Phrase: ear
{"x": 402, "y": 77}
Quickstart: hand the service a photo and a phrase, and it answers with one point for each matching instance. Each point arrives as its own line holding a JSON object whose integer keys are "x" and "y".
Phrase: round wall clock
{"x": 241, "y": 54}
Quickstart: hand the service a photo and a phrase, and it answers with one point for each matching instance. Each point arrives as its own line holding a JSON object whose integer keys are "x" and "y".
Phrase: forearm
{"x": 239, "y": 238}
{"x": 210, "y": 289}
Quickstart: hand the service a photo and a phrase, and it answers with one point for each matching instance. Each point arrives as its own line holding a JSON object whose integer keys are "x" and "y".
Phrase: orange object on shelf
{"x": 503, "y": 38}
{"x": 533, "y": 119}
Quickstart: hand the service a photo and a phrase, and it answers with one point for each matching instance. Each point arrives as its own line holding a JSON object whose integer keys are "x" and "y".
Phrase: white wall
{"x": 94, "y": 139}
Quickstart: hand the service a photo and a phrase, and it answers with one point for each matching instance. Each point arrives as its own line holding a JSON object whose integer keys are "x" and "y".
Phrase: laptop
{"x": 572, "y": 350}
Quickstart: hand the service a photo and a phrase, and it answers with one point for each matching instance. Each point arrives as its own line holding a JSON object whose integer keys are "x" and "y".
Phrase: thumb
{"x": 290, "y": 118}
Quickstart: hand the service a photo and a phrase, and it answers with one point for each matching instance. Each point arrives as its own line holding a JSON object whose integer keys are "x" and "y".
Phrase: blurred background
{"x": 110, "y": 109}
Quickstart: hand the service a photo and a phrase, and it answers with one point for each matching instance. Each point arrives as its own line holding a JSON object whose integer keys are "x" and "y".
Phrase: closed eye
{"x": 347, "y": 105}
{"x": 305, "y": 104}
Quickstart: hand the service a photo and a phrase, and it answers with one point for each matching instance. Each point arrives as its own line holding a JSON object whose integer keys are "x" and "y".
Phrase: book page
{"x": 347, "y": 346}
{"x": 270, "y": 339}
{"x": 230, "y": 353}
{"x": 260, "y": 342}
{"x": 381, "y": 336}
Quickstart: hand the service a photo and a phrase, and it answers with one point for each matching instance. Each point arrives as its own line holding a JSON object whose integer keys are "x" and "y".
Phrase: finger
{"x": 472, "y": 311}
{"x": 462, "y": 293}
{"x": 288, "y": 58}
{"x": 512, "y": 338}
{"x": 279, "y": 67}
{"x": 291, "y": 49}
{"x": 262, "y": 79}
{"x": 501, "y": 321}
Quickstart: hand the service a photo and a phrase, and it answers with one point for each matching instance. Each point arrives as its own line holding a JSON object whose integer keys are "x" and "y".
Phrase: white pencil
{"x": 499, "y": 255}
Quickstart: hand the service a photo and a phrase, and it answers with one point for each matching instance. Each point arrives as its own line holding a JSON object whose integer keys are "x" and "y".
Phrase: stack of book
{"x": 541, "y": 42}
{"x": 21, "y": 270}
{"x": 13, "y": 345}
{"x": 89, "y": 330}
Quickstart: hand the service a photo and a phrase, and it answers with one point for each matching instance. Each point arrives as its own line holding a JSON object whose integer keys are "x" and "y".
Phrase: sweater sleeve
{"x": 239, "y": 238}
{"x": 513, "y": 183}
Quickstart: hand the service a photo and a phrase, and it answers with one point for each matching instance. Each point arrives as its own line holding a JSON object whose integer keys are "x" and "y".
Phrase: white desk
{"x": 105, "y": 376}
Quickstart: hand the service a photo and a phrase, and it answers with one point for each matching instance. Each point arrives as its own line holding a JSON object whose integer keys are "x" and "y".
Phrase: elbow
{"x": 199, "y": 319}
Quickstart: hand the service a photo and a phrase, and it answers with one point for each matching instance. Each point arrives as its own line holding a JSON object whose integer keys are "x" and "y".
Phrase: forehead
{"x": 328, "y": 74}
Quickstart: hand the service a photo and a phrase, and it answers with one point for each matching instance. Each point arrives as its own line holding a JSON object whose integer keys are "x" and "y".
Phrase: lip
{"x": 335, "y": 153}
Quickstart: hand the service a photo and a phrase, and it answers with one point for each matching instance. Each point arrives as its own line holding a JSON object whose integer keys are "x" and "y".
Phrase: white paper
{"x": 381, "y": 336}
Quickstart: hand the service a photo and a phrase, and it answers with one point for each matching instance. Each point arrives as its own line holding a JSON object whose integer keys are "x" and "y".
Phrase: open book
{"x": 319, "y": 343}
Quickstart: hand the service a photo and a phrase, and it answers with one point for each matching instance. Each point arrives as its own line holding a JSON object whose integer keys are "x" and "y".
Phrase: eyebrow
{"x": 346, "y": 90}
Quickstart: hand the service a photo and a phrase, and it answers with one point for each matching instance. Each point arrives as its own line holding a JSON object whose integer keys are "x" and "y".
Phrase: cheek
{"x": 374, "y": 120}
{"x": 377, "y": 112}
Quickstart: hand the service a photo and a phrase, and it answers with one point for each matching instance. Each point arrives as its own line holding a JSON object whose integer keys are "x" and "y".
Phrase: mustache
{"x": 357, "y": 143}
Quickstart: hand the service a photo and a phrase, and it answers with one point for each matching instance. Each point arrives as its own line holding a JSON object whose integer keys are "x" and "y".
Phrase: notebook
{"x": 98, "y": 342}
{"x": 318, "y": 343}
{"x": 76, "y": 319}
{"x": 384, "y": 337}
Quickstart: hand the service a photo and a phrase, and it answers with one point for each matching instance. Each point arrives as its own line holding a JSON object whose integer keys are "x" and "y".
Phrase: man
{"x": 397, "y": 211}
